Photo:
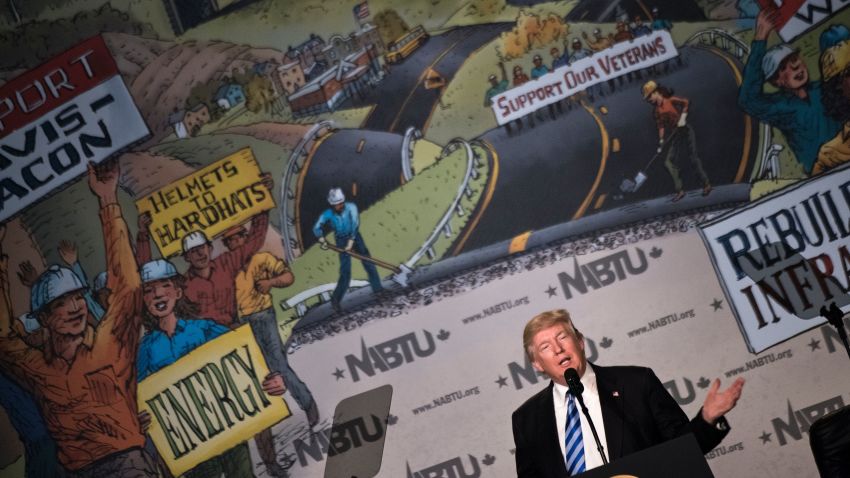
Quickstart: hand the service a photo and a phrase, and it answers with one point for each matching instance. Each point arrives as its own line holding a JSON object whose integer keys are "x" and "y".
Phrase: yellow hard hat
{"x": 648, "y": 88}
{"x": 834, "y": 60}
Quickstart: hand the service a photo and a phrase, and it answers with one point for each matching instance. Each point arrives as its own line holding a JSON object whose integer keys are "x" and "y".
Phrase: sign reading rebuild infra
{"x": 221, "y": 195}
{"x": 59, "y": 116}
{"x": 618, "y": 60}
{"x": 209, "y": 401}
{"x": 782, "y": 258}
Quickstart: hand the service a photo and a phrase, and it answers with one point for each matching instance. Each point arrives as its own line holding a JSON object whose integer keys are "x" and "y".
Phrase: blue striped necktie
{"x": 574, "y": 445}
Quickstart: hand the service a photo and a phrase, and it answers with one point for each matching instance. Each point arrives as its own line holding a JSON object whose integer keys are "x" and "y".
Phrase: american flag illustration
{"x": 361, "y": 11}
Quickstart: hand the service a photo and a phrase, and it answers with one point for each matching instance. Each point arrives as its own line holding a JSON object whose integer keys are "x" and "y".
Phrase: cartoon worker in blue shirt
{"x": 344, "y": 220}
{"x": 172, "y": 332}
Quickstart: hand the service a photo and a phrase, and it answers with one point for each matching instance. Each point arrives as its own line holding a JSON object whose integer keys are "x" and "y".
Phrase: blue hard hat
{"x": 158, "y": 270}
{"x": 100, "y": 281}
{"x": 833, "y": 35}
{"x": 53, "y": 283}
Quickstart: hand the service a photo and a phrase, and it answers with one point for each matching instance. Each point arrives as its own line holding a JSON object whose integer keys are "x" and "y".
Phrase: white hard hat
{"x": 30, "y": 322}
{"x": 53, "y": 283}
{"x": 773, "y": 57}
{"x": 335, "y": 196}
{"x": 157, "y": 270}
{"x": 100, "y": 281}
{"x": 193, "y": 240}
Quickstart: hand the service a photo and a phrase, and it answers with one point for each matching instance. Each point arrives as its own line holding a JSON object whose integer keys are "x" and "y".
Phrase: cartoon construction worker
{"x": 676, "y": 140}
{"x": 344, "y": 220}
{"x": 84, "y": 376}
{"x": 796, "y": 109}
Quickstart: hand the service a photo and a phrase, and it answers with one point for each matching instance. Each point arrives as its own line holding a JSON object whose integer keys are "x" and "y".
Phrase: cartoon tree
{"x": 205, "y": 93}
{"x": 390, "y": 25}
{"x": 531, "y": 31}
{"x": 486, "y": 8}
{"x": 259, "y": 94}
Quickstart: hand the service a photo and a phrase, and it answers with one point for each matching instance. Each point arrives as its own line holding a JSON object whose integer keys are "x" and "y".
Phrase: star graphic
{"x": 339, "y": 374}
{"x": 814, "y": 344}
{"x": 502, "y": 381}
{"x": 765, "y": 437}
{"x": 717, "y": 304}
{"x": 552, "y": 291}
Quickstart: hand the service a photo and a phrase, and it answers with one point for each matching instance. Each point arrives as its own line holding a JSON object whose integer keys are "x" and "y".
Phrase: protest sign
{"x": 213, "y": 199}
{"x": 209, "y": 401}
{"x": 59, "y": 116}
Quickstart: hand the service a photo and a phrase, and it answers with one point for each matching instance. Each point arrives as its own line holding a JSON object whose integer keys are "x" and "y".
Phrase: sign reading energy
{"x": 57, "y": 117}
{"x": 209, "y": 401}
{"x": 221, "y": 195}
{"x": 782, "y": 258}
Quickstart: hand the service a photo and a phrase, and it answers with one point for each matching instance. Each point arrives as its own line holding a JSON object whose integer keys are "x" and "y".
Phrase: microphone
{"x": 576, "y": 388}
{"x": 573, "y": 382}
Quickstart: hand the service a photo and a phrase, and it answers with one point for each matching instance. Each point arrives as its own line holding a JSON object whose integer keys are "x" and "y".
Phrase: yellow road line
{"x": 646, "y": 10}
{"x": 488, "y": 196}
{"x": 420, "y": 80}
{"x": 605, "y": 151}
{"x": 300, "y": 185}
{"x": 443, "y": 90}
{"x": 600, "y": 201}
{"x": 748, "y": 122}
{"x": 519, "y": 242}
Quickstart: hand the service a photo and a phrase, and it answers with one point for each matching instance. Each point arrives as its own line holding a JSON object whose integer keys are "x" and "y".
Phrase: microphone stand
{"x": 592, "y": 427}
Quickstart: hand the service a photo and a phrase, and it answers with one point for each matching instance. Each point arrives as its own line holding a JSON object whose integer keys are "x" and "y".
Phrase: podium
{"x": 678, "y": 457}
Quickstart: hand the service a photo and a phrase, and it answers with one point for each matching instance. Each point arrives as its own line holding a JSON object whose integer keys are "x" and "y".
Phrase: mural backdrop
{"x": 221, "y": 219}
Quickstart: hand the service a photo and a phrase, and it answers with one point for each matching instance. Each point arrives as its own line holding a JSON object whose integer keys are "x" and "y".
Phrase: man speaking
{"x": 630, "y": 408}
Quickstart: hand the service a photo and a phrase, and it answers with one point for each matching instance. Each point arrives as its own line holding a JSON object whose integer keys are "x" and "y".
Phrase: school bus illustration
{"x": 404, "y": 46}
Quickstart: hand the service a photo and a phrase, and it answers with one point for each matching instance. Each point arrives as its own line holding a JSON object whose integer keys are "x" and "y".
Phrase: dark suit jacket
{"x": 642, "y": 415}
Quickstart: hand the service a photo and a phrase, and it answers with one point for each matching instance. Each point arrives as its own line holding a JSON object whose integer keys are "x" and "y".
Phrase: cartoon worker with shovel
{"x": 676, "y": 140}
{"x": 344, "y": 219}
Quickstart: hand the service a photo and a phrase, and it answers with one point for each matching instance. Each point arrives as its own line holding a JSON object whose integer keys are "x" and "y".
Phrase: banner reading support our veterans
{"x": 213, "y": 199}
{"x": 209, "y": 401}
{"x": 618, "y": 60}
{"x": 57, "y": 117}
{"x": 782, "y": 258}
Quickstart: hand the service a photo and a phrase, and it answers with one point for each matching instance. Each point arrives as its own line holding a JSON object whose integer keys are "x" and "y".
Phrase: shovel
{"x": 631, "y": 185}
{"x": 400, "y": 272}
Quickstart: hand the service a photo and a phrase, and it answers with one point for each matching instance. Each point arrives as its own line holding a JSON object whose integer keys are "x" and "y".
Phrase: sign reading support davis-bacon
{"x": 782, "y": 258}
{"x": 213, "y": 199}
{"x": 59, "y": 116}
{"x": 618, "y": 60}
{"x": 209, "y": 401}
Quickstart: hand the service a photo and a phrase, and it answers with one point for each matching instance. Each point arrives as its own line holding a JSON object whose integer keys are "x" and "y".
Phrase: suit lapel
{"x": 551, "y": 432}
{"x": 611, "y": 402}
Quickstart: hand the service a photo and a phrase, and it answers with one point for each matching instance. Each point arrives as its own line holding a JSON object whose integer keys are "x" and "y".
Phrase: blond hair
{"x": 544, "y": 320}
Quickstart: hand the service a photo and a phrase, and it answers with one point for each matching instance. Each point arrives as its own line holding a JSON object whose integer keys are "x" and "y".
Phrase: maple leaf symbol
{"x": 606, "y": 342}
{"x": 655, "y": 253}
{"x": 443, "y": 335}
{"x": 703, "y": 382}
{"x": 392, "y": 419}
{"x": 488, "y": 459}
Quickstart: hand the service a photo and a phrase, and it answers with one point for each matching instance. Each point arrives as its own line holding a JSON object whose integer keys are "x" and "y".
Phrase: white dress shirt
{"x": 592, "y": 459}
